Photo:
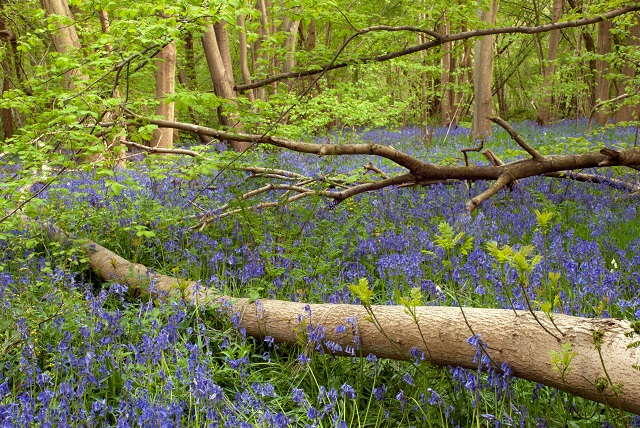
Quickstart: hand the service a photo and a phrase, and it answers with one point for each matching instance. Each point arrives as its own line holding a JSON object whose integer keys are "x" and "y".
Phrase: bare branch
{"x": 420, "y": 171}
{"x": 161, "y": 150}
{"x": 440, "y": 40}
{"x": 375, "y": 169}
{"x": 517, "y": 138}
{"x": 492, "y": 190}
{"x": 369, "y": 187}
{"x": 253, "y": 208}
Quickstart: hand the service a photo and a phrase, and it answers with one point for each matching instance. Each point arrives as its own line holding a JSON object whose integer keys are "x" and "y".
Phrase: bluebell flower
{"x": 348, "y": 391}
{"x": 298, "y": 396}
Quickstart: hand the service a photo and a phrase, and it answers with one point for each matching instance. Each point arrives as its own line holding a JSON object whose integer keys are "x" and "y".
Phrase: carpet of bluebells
{"x": 75, "y": 351}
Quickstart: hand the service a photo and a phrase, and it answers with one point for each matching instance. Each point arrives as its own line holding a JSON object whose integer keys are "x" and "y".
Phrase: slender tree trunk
{"x": 291, "y": 27}
{"x": 191, "y": 78}
{"x": 465, "y": 76}
{"x": 187, "y": 76}
{"x": 110, "y": 115}
{"x": 165, "y": 85}
{"x": 223, "y": 84}
{"x": 602, "y": 69}
{"x": 482, "y": 76}
{"x": 446, "y": 102}
{"x": 544, "y": 111}
{"x": 9, "y": 71}
{"x": 6, "y": 113}
{"x": 244, "y": 60}
{"x": 65, "y": 39}
{"x": 260, "y": 51}
{"x": 629, "y": 112}
{"x": 587, "y": 76}
{"x": 222, "y": 37}
{"x": 312, "y": 36}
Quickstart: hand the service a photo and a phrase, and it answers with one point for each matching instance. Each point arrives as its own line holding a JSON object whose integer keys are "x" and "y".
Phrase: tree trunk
{"x": 291, "y": 28}
{"x": 222, "y": 37}
{"x": 6, "y": 113}
{"x": 312, "y": 37}
{"x": 10, "y": 71}
{"x": 544, "y": 111}
{"x": 165, "y": 85}
{"x": 603, "y": 373}
{"x": 65, "y": 39}
{"x": 191, "y": 78}
{"x": 446, "y": 102}
{"x": 223, "y": 84}
{"x": 602, "y": 69}
{"x": 629, "y": 112}
{"x": 260, "y": 53}
{"x": 244, "y": 59}
{"x": 465, "y": 76}
{"x": 482, "y": 76}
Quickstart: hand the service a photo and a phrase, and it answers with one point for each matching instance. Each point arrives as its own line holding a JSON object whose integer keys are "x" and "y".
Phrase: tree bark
{"x": 602, "y": 69}
{"x": 291, "y": 28}
{"x": 482, "y": 76}
{"x": 165, "y": 85}
{"x": 544, "y": 111}
{"x": 222, "y": 83}
{"x": 6, "y": 113}
{"x": 9, "y": 71}
{"x": 65, "y": 39}
{"x": 629, "y": 112}
{"x": 222, "y": 37}
{"x": 446, "y": 102}
{"x": 603, "y": 373}
{"x": 244, "y": 58}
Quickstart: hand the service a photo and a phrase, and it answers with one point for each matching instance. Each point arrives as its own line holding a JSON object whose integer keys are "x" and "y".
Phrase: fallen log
{"x": 604, "y": 364}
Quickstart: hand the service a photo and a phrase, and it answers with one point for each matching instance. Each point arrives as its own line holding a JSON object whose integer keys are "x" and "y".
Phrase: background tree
{"x": 483, "y": 75}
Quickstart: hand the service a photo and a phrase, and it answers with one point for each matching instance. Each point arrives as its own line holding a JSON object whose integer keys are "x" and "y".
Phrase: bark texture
{"x": 606, "y": 376}
{"x": 222, "y": 81}
{"x": 482, "y": 77}
{"x": 602, "y": 69}
{"x": 544, "y": 113}
{"x": 628, "y": 112}
{"x": 446, "y": 102}
{"x": 165, "y": 85}
{"x": 65, "y": 39}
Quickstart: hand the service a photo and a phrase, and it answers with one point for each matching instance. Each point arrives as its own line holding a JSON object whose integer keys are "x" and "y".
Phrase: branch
{"x": 257, "y": 207}
{"x": 517, "y": 138}
{"x": 420, "y": 171}
{"x": 439, "y": 40}
{"x": 279, "y": 173}
{"x": 369, "y": 187}
{"x": 492, "y": 190}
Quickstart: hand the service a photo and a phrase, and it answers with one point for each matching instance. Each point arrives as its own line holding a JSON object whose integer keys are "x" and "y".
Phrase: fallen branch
{"x": 608, "y": 374}
{"x": 420, "y": 171}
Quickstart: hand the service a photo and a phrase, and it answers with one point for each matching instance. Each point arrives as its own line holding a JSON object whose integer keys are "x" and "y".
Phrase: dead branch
{"x": 439, "y": 40}
{"x": 420, "y": 171}
{"x": 517, "y": 138}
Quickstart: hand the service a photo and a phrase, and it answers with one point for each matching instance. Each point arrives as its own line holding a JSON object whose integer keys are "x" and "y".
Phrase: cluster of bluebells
{"x": 126, "y": 364}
